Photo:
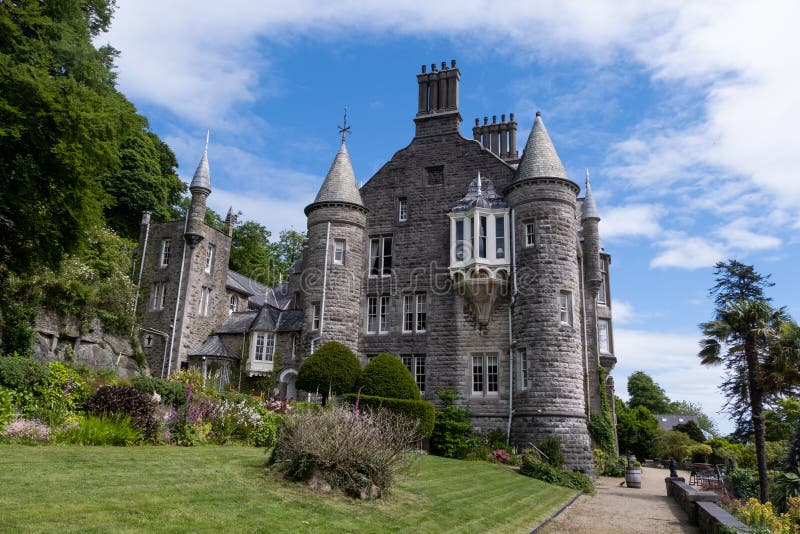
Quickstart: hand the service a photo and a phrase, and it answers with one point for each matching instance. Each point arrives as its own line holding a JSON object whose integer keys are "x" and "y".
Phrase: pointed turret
{"x": 589, "y": 210}
{"x": 200, "y": 188}
{"x": 339, "y": 186}
{"x": 540, "y": 159}
{"x": 230, "y": 221}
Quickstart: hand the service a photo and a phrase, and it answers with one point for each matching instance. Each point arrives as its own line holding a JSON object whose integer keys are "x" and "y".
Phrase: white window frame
{"x": 378, "y": 314}
{"x": 530, "y": 234}
{"x": 339, "y": 247}
{"x": 485, "y": 374}
{"x": 269, "y": 354}
{"x": 233, "y": 303}
{"x": 421, "y": 313}
{"x": 166, "y": 249}
{"x": 258, "y": 350}
{"x": 604, "y": 336}
{"x": 157, "y": 298}
{"x": 316, "y": 317}
{"x": 602, "y": 293}
{"x": 408, "y": 314}
{"x": 415, "y": 363}
{"x": 500, "y": 239}
{"x": 565, "y": 308}
{"x": 205, "y": 302}
{"x": 402, "y": 210}
{"x": 210, "y": 258}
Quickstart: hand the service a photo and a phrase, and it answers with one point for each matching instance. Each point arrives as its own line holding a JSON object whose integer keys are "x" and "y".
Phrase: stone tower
{"x": 547, "y": 327}
{"x": 200, "y": 188}
{"x": 333, "y": 259}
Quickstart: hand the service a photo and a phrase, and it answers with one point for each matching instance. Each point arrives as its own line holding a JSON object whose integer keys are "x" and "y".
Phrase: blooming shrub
{"x": 356, "y": 452}
{"x": 26, "y": 431}
{"x": 762, "y": 519}
{"x": 501, "y": 456}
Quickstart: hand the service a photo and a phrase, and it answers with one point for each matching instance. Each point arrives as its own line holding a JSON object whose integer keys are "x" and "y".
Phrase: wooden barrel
{"x": 633, "y": 477}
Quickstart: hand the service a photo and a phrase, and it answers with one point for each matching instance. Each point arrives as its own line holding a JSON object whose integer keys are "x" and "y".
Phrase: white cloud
{"x": 688, "y": 252}
{"x": 634, "y": 220}
{"x": 670, "y": 359}
{"x": 623, "y": 312}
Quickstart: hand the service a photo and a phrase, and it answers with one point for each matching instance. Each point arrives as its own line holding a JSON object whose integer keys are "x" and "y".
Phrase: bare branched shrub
{"x": 358, "y": 452}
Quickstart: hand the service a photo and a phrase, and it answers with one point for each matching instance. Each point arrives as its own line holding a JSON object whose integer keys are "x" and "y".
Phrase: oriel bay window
{"x": 262, "y": 352}
{"x": 478, "y": 237}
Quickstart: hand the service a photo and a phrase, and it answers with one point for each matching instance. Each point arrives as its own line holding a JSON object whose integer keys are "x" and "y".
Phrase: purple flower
{"x": 69, "y": 385}
{"x": 189, "y": 392}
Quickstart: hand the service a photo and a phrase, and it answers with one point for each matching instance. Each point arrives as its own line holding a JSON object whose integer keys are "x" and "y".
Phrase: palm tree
{"x": 782, "y": 373}
{"x": 746, "y": 329}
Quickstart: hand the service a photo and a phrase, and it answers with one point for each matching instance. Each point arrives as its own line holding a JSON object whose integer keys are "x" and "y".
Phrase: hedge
{"x": 421, "y": 410}
{"x": 386, "y": 376}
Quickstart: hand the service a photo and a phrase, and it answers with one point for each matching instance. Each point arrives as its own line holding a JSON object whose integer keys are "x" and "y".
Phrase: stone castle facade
{"x": 480, "y": 268}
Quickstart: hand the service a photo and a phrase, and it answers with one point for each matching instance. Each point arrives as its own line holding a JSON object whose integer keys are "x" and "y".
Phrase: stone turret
{"x": 590, "y": 220}
{"x": 546, "y": 318}
{"x": 200, "y": 188}
{"x": 333, "y": 258}
{"x": 230, "y": 221}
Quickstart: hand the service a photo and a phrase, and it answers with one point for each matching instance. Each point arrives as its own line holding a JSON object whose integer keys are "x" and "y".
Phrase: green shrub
{"x": 111, "y": 401}
{"x": 332, "y": 369}
{"x": 358, "y": 452}
{"x": 419, "y": 410}
{"x": 386, "y": 376}
{"x": 171, "y": 391}
{"x": 533, "y": 466}
{"x": 93, "y": 430}
{"x": 608, "y": 465}
{"x": 744, "y": 483}
{"x": 452, "y": 435}
{"x": 7, "y": 408}
{"x": 601, "y": 432}
{"x": 496, "y": 439}
{"x": 22, "y": 374}
{"x": 551, "y": 448}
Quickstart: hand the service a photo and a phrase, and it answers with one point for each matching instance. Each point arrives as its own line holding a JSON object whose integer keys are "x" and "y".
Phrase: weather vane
{"x": 344, "y": 129}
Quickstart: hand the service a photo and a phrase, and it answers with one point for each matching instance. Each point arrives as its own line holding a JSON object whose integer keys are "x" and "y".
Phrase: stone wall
{"x": 61, "y": 340}
{"x": 702, "y": 508}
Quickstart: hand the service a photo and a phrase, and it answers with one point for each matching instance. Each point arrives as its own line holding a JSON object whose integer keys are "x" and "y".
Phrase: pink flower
{"x": 69, "y": 385}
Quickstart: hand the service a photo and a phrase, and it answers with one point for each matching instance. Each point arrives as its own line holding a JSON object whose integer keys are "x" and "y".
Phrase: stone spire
{"x": 589, "y": 210}
{"x": 339, "y": 186}
{"x": 540, "y": 159}
{"x": 202, "y": 176}
{"x": 230, "y": 221}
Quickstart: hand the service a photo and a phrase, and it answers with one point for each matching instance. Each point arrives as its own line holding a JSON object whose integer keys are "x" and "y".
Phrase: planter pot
{"x": 633, "y": 477}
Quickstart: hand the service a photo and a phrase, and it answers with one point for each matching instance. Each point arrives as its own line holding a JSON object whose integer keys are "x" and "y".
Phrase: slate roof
{"x": 213, "y": 346}
{"x": 589, "y": 208}
{"x": 540, "y": 159}
{"x": 484, "y": 196}
{"x": 668, "y": 421}
{"x": 240, "y": 283}
{"x": 237, "y": 322}
{"x": 202, "y": 176}
{"x": 290, "y": 321}
{"x": 297, "y": 267}
{"x": 267, "y": 319}
{"x": 278, "y": 296}
{"x": 340, "y": 183}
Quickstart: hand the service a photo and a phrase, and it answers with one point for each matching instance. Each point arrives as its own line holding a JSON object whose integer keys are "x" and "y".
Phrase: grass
{"x": 227, "y": 489}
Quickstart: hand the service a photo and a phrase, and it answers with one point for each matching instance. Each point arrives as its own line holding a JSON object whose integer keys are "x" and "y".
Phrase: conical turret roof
{"x": 589, "y": 210}
{"x": 340, "y": 183}
{"x": 540, "y": 159}
{"x": 202, "y": 176}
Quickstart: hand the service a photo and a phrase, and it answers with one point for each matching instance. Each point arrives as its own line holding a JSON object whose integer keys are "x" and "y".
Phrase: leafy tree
{"x": 690, "y": 408}
{"x": 675, "y": 444}
{"x": 691, "y": 429}
{"x": 146, "y": 181}
{"x": 331, "y": 370}
{"x": 288, "y": 249}
{"x": 744, "y": 329}
{"x": 251, "y": 252}
{"x": 781, "y": 420}
{"x": 386, "y": 376}
{"x": 637, "y": 430}
{"x": 645, "y": 392}
{"x": 736, "y": 281}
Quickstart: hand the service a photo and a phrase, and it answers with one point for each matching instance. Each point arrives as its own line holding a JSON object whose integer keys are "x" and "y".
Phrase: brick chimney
{"x": 437, "y": 102}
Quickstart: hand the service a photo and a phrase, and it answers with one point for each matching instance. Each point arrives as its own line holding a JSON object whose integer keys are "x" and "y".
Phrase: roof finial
{"x": 587, "y": 177}
{"x": 208, "y": 134}
{"x": 479, "y": 183}
{"x": 344, "y": 129}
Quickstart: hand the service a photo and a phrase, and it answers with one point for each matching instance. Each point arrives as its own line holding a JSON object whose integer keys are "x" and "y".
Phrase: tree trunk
{"x": 757, "y": 413}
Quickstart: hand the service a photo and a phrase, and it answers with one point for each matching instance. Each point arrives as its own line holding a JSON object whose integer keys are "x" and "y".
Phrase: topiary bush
{"x": 419, "y": 410}
{"x": 332, "y": 369}
{"x": 115, "y": 401}
{"x": 386, "y": 376}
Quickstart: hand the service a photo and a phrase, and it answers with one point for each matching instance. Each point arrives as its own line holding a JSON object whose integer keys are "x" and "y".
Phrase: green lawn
{"x": 227, "y": 489}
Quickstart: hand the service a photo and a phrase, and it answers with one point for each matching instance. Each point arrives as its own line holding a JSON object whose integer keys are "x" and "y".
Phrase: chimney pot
{"x": 477, "y": 121}
{"x": 444, "y": 65}
{"x": 538, "y": 113}
{"x": 494, "y": 119}
{"x": 433, "y": 67}
{"x": 486, "y": 120}
{"x": 503, "y": 117}
{"x": 511, "y": 117}
{"x": 423, "y": 69}
{"x": 453, "y": 63}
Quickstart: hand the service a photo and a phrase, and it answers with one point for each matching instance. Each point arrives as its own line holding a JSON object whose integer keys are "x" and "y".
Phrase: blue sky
{"x": 685, "y": 114}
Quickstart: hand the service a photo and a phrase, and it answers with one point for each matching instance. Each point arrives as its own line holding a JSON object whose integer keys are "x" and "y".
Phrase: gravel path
{"x": 616, "y": 509}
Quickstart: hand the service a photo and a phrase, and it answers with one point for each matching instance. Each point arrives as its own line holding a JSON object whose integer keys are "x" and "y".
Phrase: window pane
{"x": 482, "y": 237}
{"x": 384, "y": 314}
{"x": 387, "y": 255}
{"x": 259, "y": 347}
{"x": 500, "y": 237}
{"x": 419, "y": 372}
{"x": 460, "y": 240}
{"x": 270, "y": 349}
{"x": 491, "y": 374}
{"x": 372, "y": 314}
{"x": 422, "y": 312}
{"x": 338, "y": 251}
{"x": 408, "y": 313}
{"x": 603, "y": 339}
{"x": 530, "y": 238}
{"x": 403, "y": 210}
{"x": 408, "y": 361}
{"x": 374, "y": 255}
{"x": 477, "y": 374}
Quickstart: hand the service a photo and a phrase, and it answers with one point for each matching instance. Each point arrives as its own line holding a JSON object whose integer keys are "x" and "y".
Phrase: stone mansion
{"x": 479, "y": 267}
